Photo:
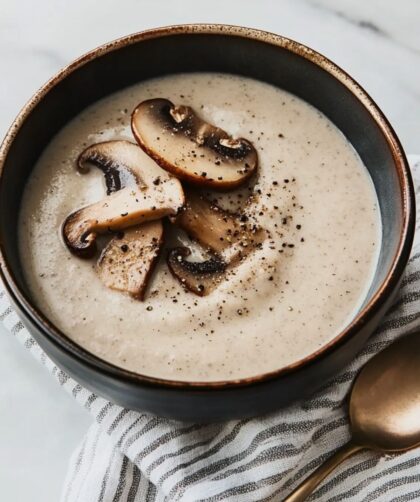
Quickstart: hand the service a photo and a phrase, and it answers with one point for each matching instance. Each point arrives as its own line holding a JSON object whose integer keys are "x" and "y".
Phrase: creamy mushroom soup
{"x": 310, "y": 212}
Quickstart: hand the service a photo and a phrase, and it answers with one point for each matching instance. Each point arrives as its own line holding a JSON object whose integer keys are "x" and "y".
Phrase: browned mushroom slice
{"x": 191, "y": 149}
{"x": 123, "y": 163}
{"x": 127, "y": 262}
{"x": 128, "y": 207}
{"x": 224, "y": 233}
{"x": 111, "y": 158}
{"x": 199, "y": 277}
{"x": 150, "y": 195}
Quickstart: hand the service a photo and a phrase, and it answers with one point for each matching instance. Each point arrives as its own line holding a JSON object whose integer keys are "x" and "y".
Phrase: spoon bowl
{"x": 385, "y": 399}
{"x": 384, "y": 409}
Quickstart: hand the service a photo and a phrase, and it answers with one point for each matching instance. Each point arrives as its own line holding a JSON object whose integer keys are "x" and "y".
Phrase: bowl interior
{"x": 185, "y": 52}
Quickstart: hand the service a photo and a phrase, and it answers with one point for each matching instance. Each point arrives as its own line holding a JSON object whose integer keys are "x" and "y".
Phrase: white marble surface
{"x": 377, "y": 41}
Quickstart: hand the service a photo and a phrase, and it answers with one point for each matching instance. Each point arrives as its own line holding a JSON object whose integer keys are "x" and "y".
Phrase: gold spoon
{"x": 384, "y": 409}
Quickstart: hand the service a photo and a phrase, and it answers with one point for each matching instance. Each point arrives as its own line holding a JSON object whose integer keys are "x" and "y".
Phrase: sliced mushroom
{"x": 149, "y": 194}
{"x": 127, "y": 262}
{"x": 199, "y": 277}
{"x": 191, "y": 149}
{"x": 112, "y": 158}
{"x": 226, "y": 234}
{"x": 229, "y": 238}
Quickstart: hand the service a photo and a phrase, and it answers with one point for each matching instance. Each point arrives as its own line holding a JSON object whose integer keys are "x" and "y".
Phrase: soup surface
{"x": 284, "y": 301}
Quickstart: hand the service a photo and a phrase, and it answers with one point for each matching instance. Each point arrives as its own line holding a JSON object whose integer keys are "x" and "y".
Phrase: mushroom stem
{"x": 127, "y": 262}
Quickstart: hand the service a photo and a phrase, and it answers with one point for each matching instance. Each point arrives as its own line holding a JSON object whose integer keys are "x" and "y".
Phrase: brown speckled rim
{"x": 363, "y": 317}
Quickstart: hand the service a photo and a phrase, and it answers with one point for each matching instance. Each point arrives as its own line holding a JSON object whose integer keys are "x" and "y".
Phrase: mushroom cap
{"x": 123, "y": 163}
{"x": 127, "y": 262}
{"x": 198, "y": 277}
{"x": 190, "y": 148}
{"x": 149, "y": 194}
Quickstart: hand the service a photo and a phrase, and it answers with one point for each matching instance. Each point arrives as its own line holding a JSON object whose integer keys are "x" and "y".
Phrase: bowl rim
{"x": 391, "y": 280}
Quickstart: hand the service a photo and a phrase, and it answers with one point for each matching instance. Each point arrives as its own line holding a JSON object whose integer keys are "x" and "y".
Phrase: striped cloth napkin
{"x": 137, "y": 457}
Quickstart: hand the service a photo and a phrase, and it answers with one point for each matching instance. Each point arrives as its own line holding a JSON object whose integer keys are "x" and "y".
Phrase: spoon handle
{"x": 313, "y": 480}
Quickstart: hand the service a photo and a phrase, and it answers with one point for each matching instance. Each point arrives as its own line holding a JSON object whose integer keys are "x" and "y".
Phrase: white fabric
{"x": 130, "y": 456}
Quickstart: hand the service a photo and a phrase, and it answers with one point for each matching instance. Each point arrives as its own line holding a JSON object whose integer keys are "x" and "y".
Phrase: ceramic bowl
{"x": 191, "y": 48}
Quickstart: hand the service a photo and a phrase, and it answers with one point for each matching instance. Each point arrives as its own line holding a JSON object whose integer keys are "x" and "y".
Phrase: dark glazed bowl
{"x": 264, "y": 56}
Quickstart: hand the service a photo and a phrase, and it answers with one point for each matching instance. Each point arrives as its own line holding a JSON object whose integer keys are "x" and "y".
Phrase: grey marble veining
{"x": 380, "y": 17}
{"x": 376, "y": 41}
